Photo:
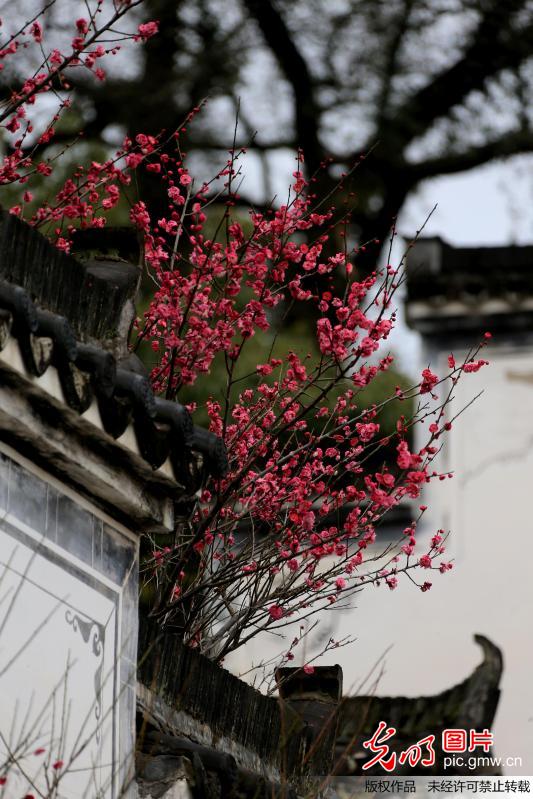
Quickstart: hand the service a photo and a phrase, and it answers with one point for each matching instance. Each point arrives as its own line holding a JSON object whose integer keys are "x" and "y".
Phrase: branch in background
{"x": 209, "y": 143}
{"x": 494, "y": 46}
{"x": 512, "y": 143}
{"x": 296, "y": 72}
{"x": 392, "y": 53}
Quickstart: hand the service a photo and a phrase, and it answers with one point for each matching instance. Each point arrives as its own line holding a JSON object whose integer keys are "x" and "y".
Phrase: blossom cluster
{"x": 92, "y": 39}
{"x": 293, "y": 527}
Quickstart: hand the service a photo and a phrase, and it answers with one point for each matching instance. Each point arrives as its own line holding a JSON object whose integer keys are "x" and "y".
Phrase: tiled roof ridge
{"x": 487, "y": 674}
{"x": 470, "y": 704}
{"x": 435, "y": 267}
{"x": 482, "y": 249}
{"x": 80, "y": 290}
{"x": 88, "y": 368}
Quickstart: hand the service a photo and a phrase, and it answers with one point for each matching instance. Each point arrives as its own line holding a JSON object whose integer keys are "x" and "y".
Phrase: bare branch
{"x": 296, "y": 72}
{"x": 512, "y": 143}
{"x": 494, "y": 46}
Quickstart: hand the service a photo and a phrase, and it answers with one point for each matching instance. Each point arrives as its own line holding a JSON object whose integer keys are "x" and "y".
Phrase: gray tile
{"x": 130, "y": 615}
{"x": 4, "y": 480}
{"x": 126, "y": 735}
{"x": 52, "y": 497}
{"x": 129, "y": 632}
{"x": 27, "y": 497}
{"x": 75, "y": 529}
{"x": 98, "y": 531}
{"x": 118, "y": 553}
{"x": 128, "y": 672}
{"x": 131, "y": 587}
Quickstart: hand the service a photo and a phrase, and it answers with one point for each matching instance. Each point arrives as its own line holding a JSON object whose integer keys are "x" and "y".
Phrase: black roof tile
{"x": 471, "y": 704}
{"x": 68, "y": 315}
{"x": 436, "y": 268}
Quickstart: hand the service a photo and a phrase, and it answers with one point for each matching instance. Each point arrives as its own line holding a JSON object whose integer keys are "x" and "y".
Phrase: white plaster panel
{"x": 68, "y": 609}
{"x": 57, "y": 676}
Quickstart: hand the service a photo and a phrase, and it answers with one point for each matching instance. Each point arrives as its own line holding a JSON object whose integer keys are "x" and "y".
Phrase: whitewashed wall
{"x": 487, "y": 508}
{"x": 68, "y": 639}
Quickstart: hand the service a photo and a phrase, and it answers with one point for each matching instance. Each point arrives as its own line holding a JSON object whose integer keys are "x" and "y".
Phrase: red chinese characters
{"x": 413, "y": 755}
{"x": 457, "y": 740}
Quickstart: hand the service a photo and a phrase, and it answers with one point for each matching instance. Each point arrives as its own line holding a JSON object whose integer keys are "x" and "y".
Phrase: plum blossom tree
{"x": 292, "y": 529}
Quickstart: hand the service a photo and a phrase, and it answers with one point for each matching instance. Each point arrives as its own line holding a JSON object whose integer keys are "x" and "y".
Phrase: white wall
{"x": 68, "y": 630}
{"x": 487, "y": 507}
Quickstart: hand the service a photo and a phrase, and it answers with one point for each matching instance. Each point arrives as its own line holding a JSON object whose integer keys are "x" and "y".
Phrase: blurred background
{"x": 437, "y": 94}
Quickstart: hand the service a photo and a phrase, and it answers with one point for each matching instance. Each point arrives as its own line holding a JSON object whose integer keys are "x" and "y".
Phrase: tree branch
{"x": 296, "y": 72}
{"x": 512, "y": 143}
{"x": 393, "y": 49}
{"x": 253, "y": 144}
{"x": 494, "y": 46}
